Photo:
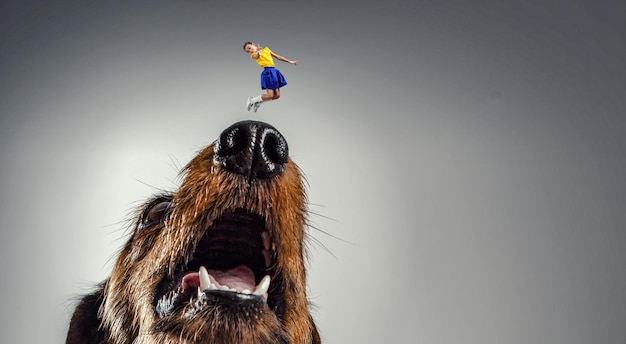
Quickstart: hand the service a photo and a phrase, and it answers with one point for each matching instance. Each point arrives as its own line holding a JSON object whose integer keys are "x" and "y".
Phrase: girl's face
{"x": 250, "y": 48}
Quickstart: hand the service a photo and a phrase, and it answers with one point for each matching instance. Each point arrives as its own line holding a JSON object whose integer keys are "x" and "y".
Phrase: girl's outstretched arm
{"x": 278, "y": 57}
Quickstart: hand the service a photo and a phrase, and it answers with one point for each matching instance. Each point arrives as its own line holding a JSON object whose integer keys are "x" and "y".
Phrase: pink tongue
{"x": 240, "y": 277}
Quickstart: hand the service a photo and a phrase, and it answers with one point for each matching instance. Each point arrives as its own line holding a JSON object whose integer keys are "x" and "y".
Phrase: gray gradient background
{"x": 469, "y": 156}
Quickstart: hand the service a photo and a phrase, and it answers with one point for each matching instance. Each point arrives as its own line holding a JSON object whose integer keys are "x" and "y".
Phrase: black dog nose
{"x": 253, "y": 149}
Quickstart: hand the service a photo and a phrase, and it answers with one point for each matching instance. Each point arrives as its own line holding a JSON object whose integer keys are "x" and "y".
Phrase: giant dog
{"x": 220, "y": 260}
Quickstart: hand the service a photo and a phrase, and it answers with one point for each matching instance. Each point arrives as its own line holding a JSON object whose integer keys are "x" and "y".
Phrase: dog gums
{"x": 221, "y": 260}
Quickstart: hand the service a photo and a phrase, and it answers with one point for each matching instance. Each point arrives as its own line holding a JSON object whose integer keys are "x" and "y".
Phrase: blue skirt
{"x": 272, "y": 79}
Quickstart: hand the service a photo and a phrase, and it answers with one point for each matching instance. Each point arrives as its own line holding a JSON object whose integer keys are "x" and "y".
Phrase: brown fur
{"x": 166, "y": 234}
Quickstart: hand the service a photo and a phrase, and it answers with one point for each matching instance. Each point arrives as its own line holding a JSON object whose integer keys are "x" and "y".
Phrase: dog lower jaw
{"x": 210, "y": 286}
{"x": 236, "y": 284}
{"x": 205, "y": 307}
{"x": 220, "y": 317}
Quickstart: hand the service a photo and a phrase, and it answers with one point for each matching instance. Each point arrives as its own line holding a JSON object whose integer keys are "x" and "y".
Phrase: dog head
{"x": 221, "y": 260}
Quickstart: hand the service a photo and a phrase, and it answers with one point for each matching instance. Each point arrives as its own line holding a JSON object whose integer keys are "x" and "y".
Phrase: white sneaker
{"x": 256, "y": 106}
{"x": 249, "y": 104}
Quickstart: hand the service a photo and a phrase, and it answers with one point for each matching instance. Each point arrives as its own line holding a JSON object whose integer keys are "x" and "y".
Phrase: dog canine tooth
{"x": 263, "y": 286}
{"x": 205, "y": 281}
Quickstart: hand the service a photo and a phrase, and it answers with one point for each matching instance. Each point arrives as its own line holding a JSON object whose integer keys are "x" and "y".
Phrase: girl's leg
{"x": 269, "y": 95}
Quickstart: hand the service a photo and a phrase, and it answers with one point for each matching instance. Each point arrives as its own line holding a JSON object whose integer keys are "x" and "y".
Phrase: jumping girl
{"x": 271, "y": 78}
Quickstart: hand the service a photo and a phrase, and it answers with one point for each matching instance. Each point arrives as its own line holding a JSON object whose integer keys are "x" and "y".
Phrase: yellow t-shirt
{"x": 265, "y": 58}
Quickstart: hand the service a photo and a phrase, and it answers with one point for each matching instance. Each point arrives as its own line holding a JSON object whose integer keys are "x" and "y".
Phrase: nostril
{"x": 272, "y": 153}
{"x": 251, "y": 148}
{"x": 275, "y": 146}
{"x": 232, "y": 141}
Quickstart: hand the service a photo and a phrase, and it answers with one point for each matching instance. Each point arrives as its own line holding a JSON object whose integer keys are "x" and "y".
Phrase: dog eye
{"x": 156, "y": 212}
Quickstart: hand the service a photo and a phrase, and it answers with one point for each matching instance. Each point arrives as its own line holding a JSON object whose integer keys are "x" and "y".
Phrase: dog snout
{"x": 253, "y": 149}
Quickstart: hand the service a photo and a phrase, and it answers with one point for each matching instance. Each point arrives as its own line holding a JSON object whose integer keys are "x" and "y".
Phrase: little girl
{"x": 271, "y": 78}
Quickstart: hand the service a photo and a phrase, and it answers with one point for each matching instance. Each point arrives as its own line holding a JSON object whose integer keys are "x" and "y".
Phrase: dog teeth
{"x": 263, "y": 286}
{"x": 205, "y": 281}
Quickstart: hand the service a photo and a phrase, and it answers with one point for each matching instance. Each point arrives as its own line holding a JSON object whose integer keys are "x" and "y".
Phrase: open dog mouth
{"x": 233, "y": 261}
